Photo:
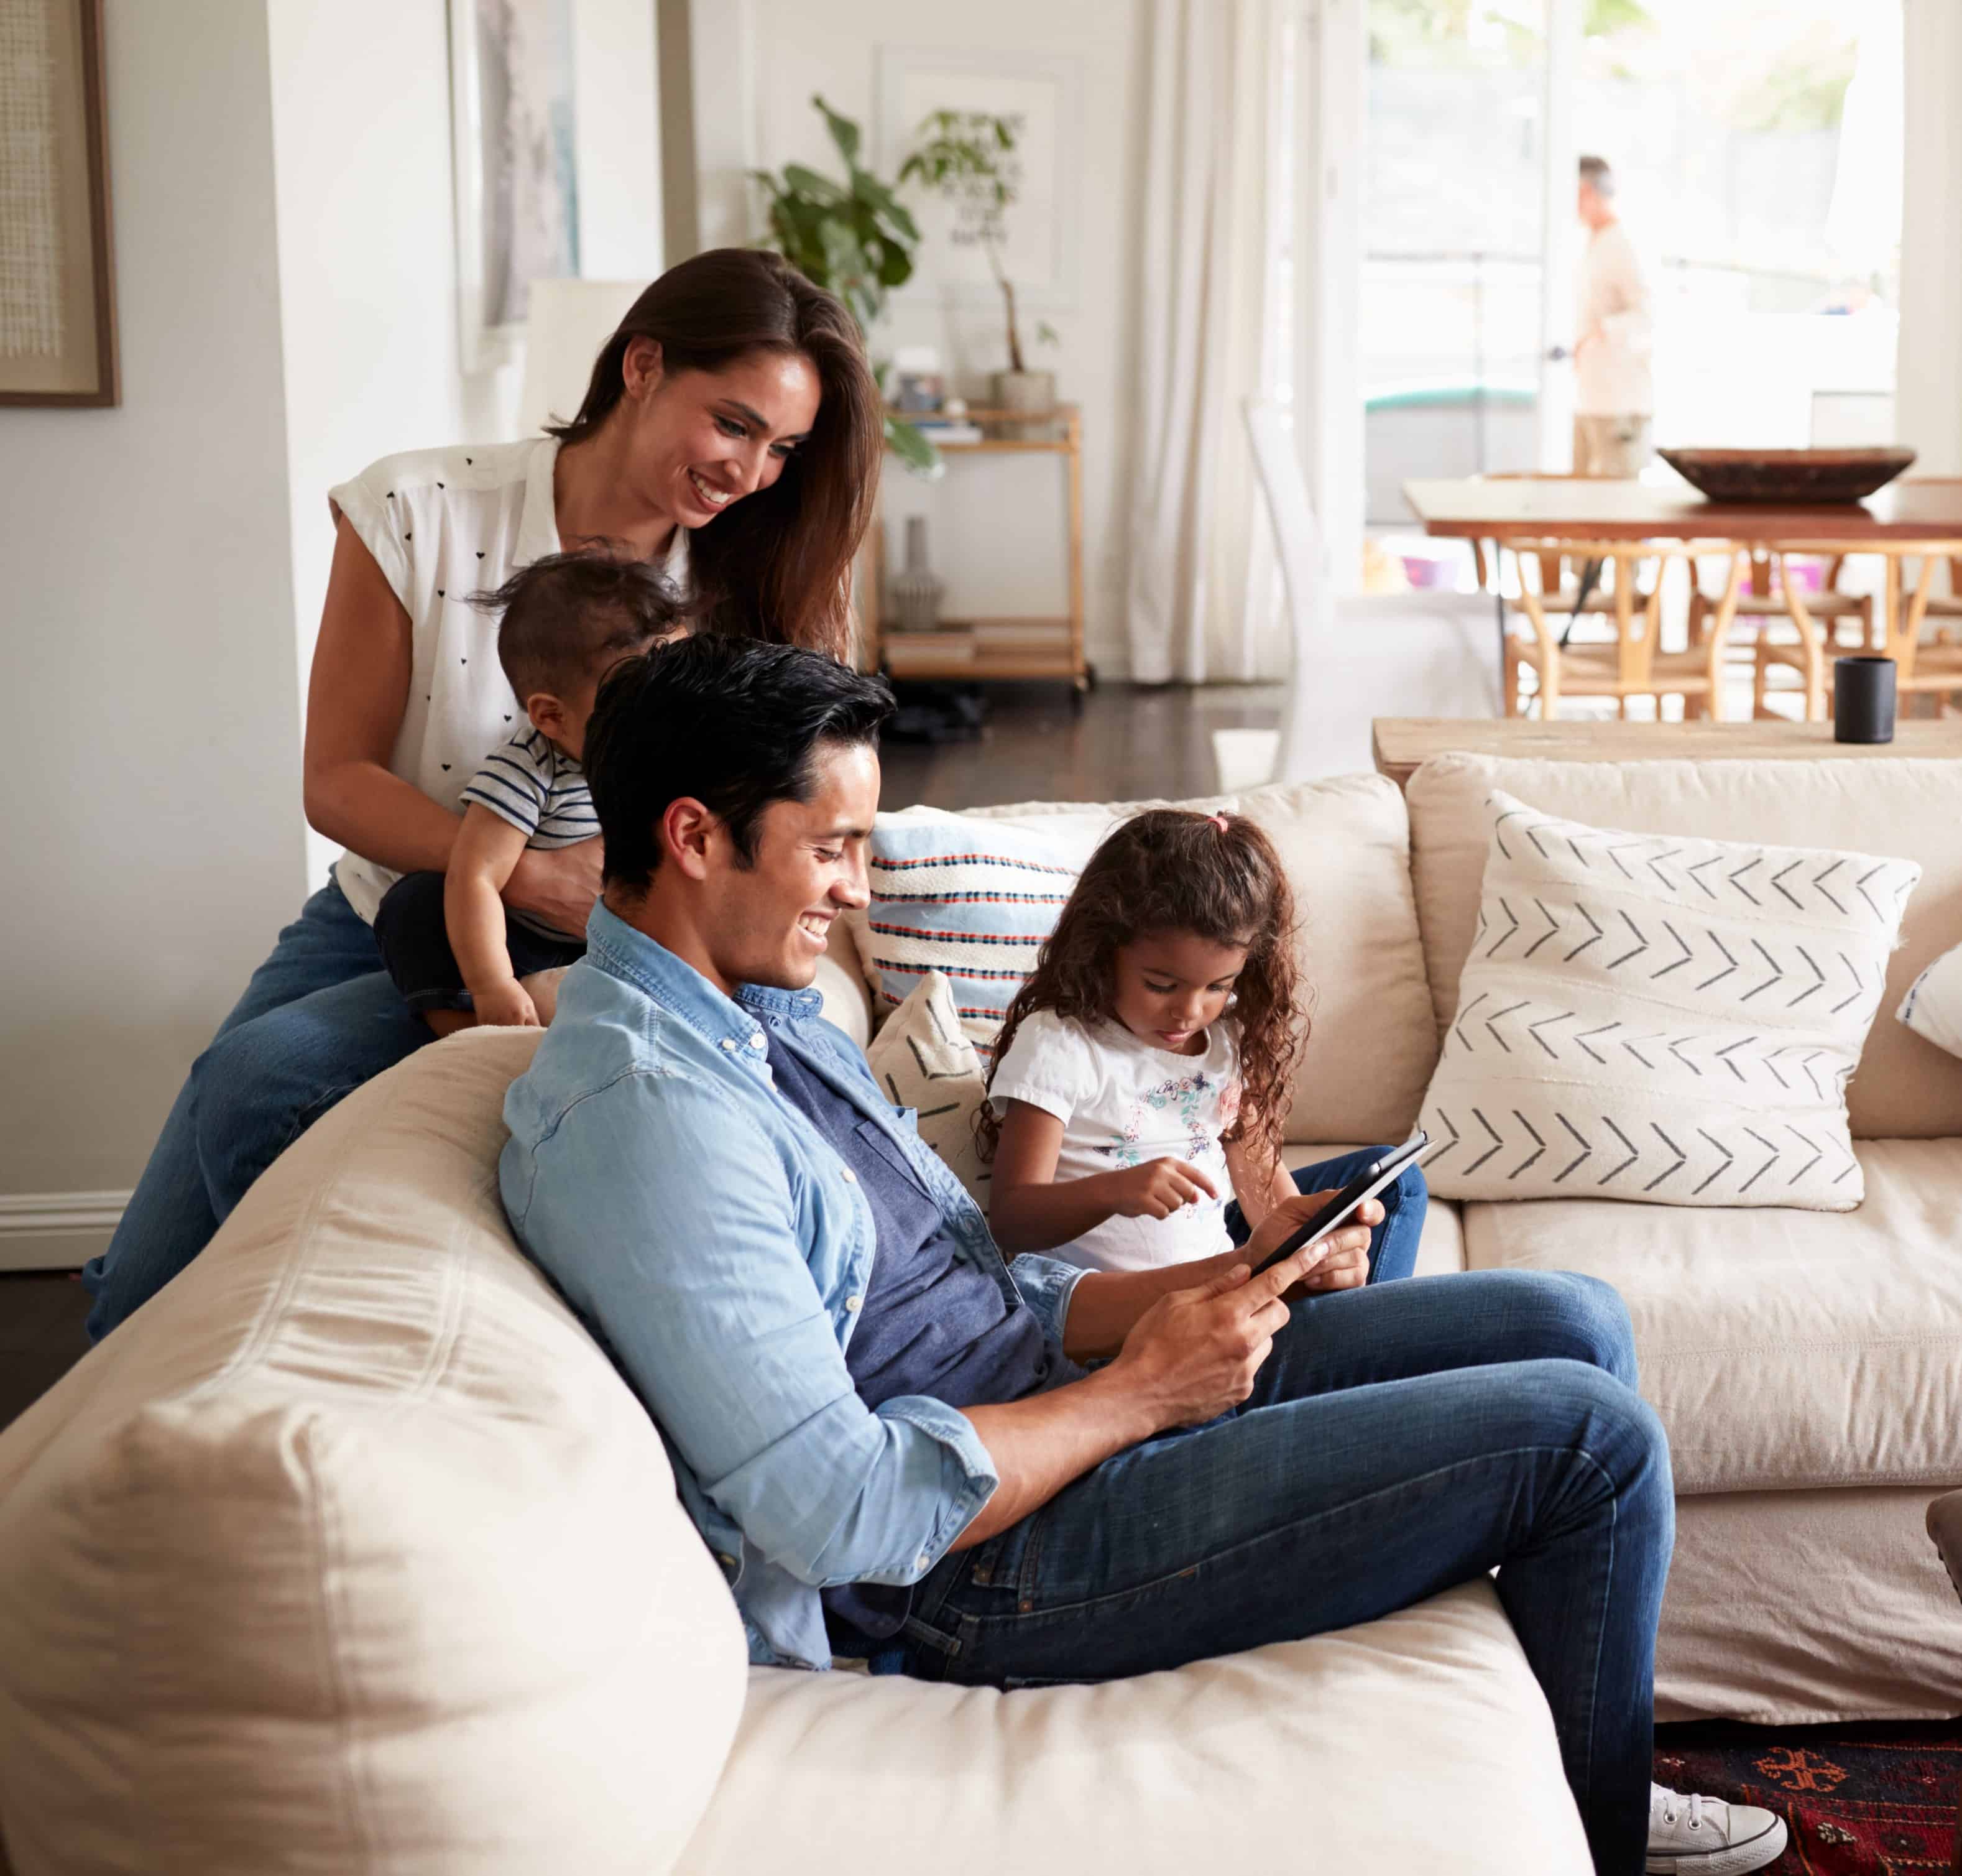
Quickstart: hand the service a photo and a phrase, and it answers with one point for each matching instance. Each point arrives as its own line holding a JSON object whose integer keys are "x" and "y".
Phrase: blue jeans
{"x": 319, "y": 1018}
{"x": 1393, "y": 1244}
{"x": 1401, "y": 1438}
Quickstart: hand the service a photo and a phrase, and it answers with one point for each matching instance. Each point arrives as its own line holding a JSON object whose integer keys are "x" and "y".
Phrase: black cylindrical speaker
{"x": 1863, "y": 700}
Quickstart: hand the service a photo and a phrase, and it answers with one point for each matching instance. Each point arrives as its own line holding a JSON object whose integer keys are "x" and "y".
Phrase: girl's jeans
{"x": 319, "y": 1018}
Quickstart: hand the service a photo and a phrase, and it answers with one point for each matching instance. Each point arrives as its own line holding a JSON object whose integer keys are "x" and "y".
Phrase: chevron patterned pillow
{"x": 923, "y": 1059}
{"x": 1663, "y": 1019}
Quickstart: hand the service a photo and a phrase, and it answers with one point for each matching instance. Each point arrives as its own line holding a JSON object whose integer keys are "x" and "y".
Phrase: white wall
{"x": 997, "y": 524}
{"x": 1928, "y": 395}
{"x": 146, "y": 634}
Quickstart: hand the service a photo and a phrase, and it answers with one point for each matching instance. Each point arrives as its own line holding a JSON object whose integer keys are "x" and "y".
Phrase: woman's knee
{"x": 1581, "y": 1318}
{"x": 1606, "y": 1421}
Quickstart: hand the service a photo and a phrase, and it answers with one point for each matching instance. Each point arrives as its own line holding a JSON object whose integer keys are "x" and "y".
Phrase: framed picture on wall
{"x": 57, "y": 284}
{"x": 1041, "y": 95}
{"x": 517, "y": 185}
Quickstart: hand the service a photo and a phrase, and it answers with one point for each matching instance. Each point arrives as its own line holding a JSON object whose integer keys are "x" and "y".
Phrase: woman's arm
{"x": 355, "y": 698}
{"x": 1029, "y": 1209}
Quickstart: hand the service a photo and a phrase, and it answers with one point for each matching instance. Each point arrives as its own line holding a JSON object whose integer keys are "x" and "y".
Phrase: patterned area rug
{"x": 1859, "y": 1800}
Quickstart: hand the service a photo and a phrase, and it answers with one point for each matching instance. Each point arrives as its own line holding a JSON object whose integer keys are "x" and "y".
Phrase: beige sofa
{"x": 351, "y": 1552}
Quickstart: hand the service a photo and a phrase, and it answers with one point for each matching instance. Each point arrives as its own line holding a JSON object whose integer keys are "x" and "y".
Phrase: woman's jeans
{"x": 1401, "y": 1439}
{"x": 319, "y": 1018}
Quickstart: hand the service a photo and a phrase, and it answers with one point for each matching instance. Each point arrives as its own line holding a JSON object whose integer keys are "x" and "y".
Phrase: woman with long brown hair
{"x": 731, "y": 434}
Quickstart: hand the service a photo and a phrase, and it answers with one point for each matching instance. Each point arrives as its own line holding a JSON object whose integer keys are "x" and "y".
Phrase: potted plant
{"x": 968, "y": 158}
{"x": 854, "y": 239}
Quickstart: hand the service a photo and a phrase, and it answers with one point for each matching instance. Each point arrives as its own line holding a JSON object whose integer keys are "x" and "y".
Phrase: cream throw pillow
{"x": 1932, "y": 1008}
{"x": 1659, "y": 1018}
{"x": 923, "y": 1059}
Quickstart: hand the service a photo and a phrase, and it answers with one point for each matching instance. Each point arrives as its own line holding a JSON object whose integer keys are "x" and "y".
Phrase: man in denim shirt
{"x": 892, "y": 1442}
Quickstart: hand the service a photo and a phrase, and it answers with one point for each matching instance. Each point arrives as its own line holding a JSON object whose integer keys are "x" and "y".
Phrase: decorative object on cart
{"x": 517, "y": 184}
{"x": 58, "y": 294}
{"x": 918, "y": 385}
{"x": 1863, "y": 700}
{"x": 916, "y": 589}
{"x": 969, "y": 159}
{"x": 854, "y": 239}
{"x": 1788, "y": 475}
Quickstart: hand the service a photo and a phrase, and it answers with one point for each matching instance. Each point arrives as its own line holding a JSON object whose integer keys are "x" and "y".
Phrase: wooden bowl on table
{"x": 1807, "y": 476}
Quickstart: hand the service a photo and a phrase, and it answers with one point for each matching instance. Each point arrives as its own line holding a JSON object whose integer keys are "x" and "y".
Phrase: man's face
{"x": 771, "y": 919}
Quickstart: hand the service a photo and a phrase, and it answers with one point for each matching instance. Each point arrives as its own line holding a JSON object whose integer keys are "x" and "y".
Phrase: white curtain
{"x": 1204, "y": 599}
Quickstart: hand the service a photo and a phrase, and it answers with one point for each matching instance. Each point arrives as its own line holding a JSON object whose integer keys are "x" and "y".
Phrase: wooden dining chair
{"x": 1634, "y": 664}
{"x": 1926, "y": 662}
{"x": 1571, "y": 585}
{"x": 1779, "y": 626}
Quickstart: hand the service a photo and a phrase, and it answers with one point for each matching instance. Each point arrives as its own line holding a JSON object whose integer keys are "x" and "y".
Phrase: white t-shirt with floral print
{"x": 1122, "y": 1102}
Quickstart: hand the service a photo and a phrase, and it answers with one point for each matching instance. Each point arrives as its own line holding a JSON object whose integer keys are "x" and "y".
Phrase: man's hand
{"x": 1157, "y": 1189}
{"x": 506, "y": 1005}
{"x": 1339, "y": 1261}
{"x": 1195, "y": 1353}
{"x": 557, "y": 884}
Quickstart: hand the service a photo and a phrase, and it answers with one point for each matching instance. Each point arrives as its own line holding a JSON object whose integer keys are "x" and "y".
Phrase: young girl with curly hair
{"x": 1141, "y": 1077}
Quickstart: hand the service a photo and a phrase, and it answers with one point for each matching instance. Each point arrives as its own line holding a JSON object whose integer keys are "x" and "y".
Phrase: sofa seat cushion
{"x": 350, "y": 1551}
{"x": 1346, "y": 845}
{"x": 1782, "y": 1349}
{"x": 1402, "y": 1747}
{"x": 1904, "y": 807}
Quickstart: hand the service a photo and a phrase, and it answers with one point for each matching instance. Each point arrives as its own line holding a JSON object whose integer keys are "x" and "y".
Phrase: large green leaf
{"x": 911, "y": 446}
{"x": 844, "y": 133}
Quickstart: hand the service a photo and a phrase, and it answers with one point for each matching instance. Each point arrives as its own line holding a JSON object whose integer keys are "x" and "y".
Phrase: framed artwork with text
{"x": 57, "y": 285}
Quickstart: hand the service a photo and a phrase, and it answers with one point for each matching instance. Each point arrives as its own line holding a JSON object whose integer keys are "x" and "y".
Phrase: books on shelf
{"x": 945, "y": 431}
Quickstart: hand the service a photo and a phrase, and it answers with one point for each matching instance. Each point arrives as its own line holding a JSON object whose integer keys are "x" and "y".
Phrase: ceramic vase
{"x": 916, "y": 590}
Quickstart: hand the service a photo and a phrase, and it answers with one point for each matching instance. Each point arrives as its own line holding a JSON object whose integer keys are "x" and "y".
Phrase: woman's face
{"x": 698, "y": 441}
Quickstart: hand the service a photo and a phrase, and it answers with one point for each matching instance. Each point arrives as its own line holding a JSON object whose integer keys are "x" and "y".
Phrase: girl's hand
{"x": 1157, "y": 1188}
{"x": 506, "y": 1005}
{"x": 1341, "y": 1259}
{"x": 557, "y": 884}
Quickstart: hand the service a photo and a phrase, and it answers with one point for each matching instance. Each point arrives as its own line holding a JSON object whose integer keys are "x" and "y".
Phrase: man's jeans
{"x": 1401, "y": 1438}
{"x": 319, "y": 1018}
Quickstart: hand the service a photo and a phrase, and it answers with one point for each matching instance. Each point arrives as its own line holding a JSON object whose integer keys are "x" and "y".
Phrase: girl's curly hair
{"x": 1170, "y": 869}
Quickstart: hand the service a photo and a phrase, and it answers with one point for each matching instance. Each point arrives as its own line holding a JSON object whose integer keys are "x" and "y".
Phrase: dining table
{"x": 1916, "y": 518}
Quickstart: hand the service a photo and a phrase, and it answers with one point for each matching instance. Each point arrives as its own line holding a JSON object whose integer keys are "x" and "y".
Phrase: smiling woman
{"x": 731, "y": 435}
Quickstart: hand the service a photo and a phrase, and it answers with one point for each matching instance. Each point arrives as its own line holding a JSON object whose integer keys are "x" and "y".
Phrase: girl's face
{"x": 698, "y": 441}
{"x": 1172, "y": 986}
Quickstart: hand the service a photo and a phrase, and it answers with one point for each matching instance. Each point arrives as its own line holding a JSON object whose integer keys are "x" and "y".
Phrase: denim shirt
{"x": 720, "y": 1250}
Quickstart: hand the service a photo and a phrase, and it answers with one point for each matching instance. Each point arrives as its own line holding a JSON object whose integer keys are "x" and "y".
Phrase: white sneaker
{"x": 1705, "y": 1836}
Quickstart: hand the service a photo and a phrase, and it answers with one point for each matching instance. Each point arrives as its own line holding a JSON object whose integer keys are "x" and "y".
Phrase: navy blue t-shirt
{"x": 931, "y": 1323}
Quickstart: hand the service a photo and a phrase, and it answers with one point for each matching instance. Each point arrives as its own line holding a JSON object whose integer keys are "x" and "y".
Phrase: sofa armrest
{"x": 1944, "y": 1526}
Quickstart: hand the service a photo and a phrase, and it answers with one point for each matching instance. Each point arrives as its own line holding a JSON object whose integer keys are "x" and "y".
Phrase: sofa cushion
{"x": 1660, "y": 1019}
{"x": 1782, "y": 1349}
{"x": 1903, "y": 807}
{"x": 350, "y": 1551}
{"x": 1346, "y": 845}
{"x": 924, "y": 1060}
{"x": 1408, "y": 1745}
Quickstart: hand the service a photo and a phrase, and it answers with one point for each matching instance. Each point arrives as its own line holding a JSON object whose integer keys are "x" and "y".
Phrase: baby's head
{"x": 1180, "y": 919}
{"x": 568, "y": 619}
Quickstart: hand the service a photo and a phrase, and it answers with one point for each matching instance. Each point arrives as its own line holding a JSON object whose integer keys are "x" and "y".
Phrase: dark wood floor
{"x": 1126, "y": 745}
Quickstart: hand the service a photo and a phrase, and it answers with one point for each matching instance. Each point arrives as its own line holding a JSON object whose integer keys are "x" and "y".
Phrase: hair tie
{"x": 1219, "y": 821}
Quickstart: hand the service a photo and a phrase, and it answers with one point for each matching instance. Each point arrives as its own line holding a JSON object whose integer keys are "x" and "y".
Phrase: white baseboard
{"x": 56, "y": 1231}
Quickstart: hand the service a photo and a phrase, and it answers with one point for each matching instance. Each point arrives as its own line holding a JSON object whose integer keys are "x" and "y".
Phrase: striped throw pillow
{"x": 972, "y": 899}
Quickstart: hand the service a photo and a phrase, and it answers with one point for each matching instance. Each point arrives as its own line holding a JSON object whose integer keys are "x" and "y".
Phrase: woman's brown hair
{"x": 1169, "y": 870}
{"x": 778, "y": 565}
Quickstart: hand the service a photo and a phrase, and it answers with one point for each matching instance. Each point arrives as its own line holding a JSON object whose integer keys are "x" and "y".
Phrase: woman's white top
{"x": 443, "y": 524}
{"x": 1122, "y": 1102}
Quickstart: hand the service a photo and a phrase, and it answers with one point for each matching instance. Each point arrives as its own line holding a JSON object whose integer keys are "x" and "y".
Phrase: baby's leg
{"x": 414, "y": 943}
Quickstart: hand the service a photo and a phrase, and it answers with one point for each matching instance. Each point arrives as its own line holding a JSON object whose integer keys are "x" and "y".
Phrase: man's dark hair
{"x": 569, "y": 616}
{"x": 1596, "y": 169}
{"x": 734, "y": 723}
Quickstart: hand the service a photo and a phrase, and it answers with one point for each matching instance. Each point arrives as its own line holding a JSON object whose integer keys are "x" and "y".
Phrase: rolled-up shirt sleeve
{"x": 670, "y": 1222}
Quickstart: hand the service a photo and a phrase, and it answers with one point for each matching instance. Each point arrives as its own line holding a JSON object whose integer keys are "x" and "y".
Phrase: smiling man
{"x": 867, "y": 1409}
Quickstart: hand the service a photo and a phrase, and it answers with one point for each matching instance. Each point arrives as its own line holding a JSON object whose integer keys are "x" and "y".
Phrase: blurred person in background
{"x": 1614, "y": 400}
